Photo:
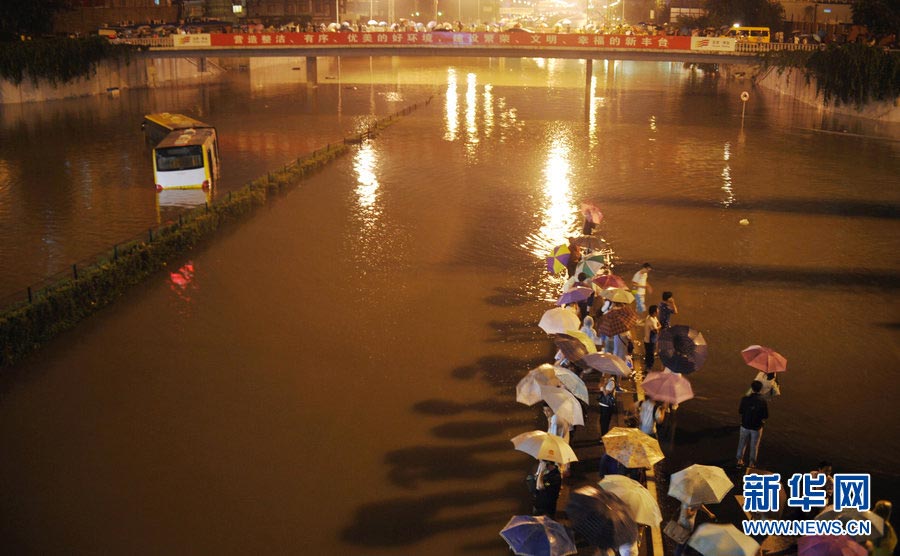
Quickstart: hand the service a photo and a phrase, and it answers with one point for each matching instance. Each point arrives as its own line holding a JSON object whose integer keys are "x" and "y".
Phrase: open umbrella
{"x": 641, "y": 504}
{"x": 572, "y": 383}
{"x": 616, "y": 321}
{"x": 574, "y": 295}
{"x": 606, "y": 363}
{"x": 558, "y": 259}
{"x": 590, "y": 211}
{"x": 584, "y": 339}
{"x": 847, "y": 514}
{"x": 712, "y": 539}
{"x": 829, "y": 546}
{"x": 528, "y": 390}
{"x": 545, "y": 446}
{"x": 601, "y": 517}
{"x": 700, "y": 484}
{"x": 681, "y": 348}
{"x": 607, "y": 281}
{"x": 589, "y": 242}
{"x": 589, "y": 267}
{"x": 564, "y": 404}
{"x": 558, "y": 320}
{"x": 571, "y": 347}
{"x": 632, "y": 448}
{"x": 667, "y": 387}
{"x": 619, "y": 295}
{"x": 371, "y": 22}
{"x": 765, "y": 359}
{"x": 537, "y": 535}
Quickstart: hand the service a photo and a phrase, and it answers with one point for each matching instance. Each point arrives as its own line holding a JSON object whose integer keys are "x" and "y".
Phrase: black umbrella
{"x": 682, "y": 349}
{"x": 601, "y": 517}
{"x": 571, "y": 347}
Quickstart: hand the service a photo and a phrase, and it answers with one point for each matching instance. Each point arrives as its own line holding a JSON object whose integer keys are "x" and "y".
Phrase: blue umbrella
{"x": 529, "y": 535}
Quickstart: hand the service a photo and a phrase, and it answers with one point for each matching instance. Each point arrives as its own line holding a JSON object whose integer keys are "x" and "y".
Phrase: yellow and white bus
{"x": 186, "y": 159}
{"x": 749, "y": 34}
{"x": 157, "y": 126}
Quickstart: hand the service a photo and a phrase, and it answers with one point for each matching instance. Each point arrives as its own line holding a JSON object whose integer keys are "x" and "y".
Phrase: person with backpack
{"x": 754, "y": 411}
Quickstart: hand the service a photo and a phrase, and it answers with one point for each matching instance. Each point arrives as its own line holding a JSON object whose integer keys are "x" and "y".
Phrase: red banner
{"x": 446, "y": 39}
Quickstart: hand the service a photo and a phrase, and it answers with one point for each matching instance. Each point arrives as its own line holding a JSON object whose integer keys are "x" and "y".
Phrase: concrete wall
{"x": 793, "y": 82}
{"x": 114, "y": 74}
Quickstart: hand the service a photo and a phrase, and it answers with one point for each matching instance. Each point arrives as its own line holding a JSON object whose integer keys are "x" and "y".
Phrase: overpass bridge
{"x": 646, "y": 48}
{"x": 650, "y": 48}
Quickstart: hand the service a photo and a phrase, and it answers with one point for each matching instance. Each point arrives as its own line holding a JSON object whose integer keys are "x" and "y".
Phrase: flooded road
{"x": 336, "y": 374}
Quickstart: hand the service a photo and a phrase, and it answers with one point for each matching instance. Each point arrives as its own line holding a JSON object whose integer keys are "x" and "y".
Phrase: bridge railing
{"x": 741, "y": 48}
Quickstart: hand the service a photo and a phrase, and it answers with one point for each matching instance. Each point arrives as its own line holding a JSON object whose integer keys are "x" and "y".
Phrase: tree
{"x": 881, "y": 17}
{"x": 31, "y": 17}
{"x": 749, "y": 13}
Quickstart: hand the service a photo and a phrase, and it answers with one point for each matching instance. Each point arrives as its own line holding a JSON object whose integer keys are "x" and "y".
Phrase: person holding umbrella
{"x": 548, "y": 483}
{"x": 687, "y": 518}
{"x": 608, "y": 408}
{"x": 754, "y": 411}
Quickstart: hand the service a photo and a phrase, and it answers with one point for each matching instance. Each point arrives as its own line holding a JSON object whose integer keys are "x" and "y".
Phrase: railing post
{"x": 116, "y": 252}
{"x": 75, "y": 271}
{"x": 29, "y": 294}
{"x": 150, "y": 234}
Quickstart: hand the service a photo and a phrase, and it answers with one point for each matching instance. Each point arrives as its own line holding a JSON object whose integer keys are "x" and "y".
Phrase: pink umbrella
{"x": 609, "y": 281}
{"x": 765, "y": 359}
{"x": 829, "y": 546}
{"x": 591, "y": 212}
{"x": 668, "y": 387}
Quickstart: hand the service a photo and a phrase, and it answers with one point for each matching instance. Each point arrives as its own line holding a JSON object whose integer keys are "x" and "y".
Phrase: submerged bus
{"x": 157, "y": 126}
{"x": 749, "y": 34}
{"x": 186, "y": 159}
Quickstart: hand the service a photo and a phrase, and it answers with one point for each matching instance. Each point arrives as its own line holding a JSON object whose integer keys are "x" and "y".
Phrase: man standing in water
{"x": 640, "y": 286}
{"x": 754, "y": 411}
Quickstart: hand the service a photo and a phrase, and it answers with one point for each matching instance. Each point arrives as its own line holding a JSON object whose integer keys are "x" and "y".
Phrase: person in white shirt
{"x": 639, "y": 286}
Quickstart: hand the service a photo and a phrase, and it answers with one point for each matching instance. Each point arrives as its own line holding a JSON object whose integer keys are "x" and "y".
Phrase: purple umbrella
{"x": 576, "y": 294}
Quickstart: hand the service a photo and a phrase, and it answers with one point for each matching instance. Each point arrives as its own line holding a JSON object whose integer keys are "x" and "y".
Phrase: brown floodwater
{"x": 335, "y": 375}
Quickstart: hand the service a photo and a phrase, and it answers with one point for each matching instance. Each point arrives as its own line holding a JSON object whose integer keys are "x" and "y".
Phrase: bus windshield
{"x": 179, "y": 158}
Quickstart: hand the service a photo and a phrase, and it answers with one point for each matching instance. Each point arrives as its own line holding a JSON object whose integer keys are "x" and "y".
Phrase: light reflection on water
{"x": 452, "y": 103}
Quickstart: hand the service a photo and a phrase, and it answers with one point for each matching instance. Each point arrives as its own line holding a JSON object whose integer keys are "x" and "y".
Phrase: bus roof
{"x": 187, "y": 137}
{"x": 175, "y": 121}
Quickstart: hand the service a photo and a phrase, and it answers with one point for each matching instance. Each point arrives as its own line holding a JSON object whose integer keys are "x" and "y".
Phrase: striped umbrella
{"x": 558, "y": 259}
{"x": 765, "y": 359}
{"x": 617, "y": 321}
{"x": 590, "y": 267}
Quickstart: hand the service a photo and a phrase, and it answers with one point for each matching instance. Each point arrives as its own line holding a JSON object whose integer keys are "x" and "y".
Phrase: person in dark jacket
{"x": 754, "y": 411}
{"x": 548, "y": 482}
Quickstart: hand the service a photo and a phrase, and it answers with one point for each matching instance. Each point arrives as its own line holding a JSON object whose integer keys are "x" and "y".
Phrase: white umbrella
{"x": 700, "y": 484}
{"x": 558, "y": 320}
{"x": 371, "y": 22}
{"x": 572, "y": 383}
{"x": 644, "y": 508}
{"x": 712, "y": 539}
{"x": 847, "y": 514}
{"x": 545, "y": 446}
{"x": 564, "y": 404}
{"x": 606, "y": 363}
{"x": 528, "y": 390}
